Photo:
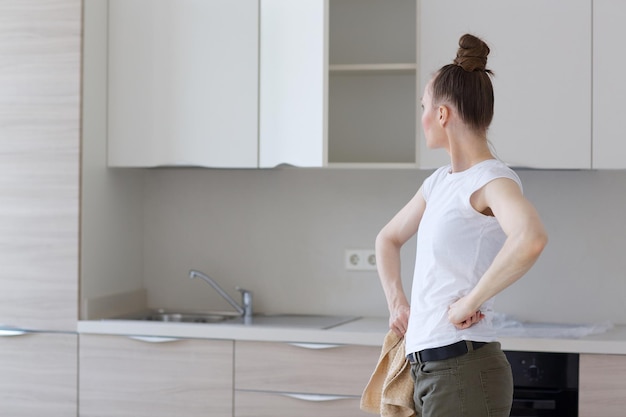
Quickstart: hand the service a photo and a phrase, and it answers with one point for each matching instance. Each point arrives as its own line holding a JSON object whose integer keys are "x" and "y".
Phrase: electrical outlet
{"x": 360, "y": 260}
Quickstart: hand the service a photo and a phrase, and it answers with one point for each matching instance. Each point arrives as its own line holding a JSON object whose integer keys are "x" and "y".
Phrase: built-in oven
{"x": 546, "y": 384}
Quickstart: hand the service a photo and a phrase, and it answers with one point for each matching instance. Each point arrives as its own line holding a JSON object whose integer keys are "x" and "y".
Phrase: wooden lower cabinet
{"x": 276, "y": 404}
{"x": 38, "y": 373}
{"x": 301, "y": 380}
{"x": 602, "y": 386}
{"x": 122, "y": 376}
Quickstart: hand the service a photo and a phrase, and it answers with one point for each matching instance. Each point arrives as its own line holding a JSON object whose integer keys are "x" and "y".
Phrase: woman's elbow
{"x": 382, "y": 240}
{"x": 536, "y": 243}
{"x": 385, "y": 239}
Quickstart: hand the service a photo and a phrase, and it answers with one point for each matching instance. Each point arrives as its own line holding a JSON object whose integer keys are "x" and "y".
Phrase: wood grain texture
{"x": 38, "y": 375}
{"x": 40, "y": 47}
{"x": 602, "y": 386}
{"x": 121, "y": 377}
{"x": 270, "y": 404}
{"x": 343, "y": 370}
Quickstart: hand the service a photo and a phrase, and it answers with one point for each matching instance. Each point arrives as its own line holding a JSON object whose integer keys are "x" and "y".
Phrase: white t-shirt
{"x": 455, "y": 246}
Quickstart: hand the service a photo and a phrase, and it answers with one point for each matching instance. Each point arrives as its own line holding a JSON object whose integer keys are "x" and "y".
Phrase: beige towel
{"x": 389, "y": 391}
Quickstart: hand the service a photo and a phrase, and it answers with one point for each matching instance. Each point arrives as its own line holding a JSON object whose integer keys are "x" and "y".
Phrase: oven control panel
{"x": 544, "y": 369}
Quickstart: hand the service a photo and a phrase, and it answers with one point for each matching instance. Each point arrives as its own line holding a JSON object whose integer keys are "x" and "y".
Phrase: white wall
{"x": 282, "y": 233}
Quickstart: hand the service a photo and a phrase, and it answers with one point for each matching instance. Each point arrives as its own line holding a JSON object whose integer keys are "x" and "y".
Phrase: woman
{"x": 476, "y": 235}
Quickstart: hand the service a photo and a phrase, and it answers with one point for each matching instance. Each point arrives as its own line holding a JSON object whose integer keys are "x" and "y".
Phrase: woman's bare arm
{"x": 526, "y": 239}
{"x": 389, "y": 241}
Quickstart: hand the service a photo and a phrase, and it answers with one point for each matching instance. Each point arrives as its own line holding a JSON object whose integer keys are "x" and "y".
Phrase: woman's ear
{"x": 444, "y": 115}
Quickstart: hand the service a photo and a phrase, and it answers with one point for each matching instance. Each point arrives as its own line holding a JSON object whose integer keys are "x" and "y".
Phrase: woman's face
{"x": 433, "y": 131}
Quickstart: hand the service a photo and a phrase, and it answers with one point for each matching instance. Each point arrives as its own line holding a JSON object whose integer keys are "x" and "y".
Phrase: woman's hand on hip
{"x": 462, "y": 314}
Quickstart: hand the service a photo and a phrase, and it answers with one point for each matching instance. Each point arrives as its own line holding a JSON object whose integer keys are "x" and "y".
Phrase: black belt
{"x": 444, "y": 352}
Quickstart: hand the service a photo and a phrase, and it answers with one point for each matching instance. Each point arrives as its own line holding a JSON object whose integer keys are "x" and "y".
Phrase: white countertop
{"x": 363, "y": 331}
{"x": 366, "y": 331}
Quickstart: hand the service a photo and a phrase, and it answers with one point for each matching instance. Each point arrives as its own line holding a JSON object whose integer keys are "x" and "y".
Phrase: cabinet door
{"x": 183, "y": 83}
{"x": 39, "y": 163}
{"x": 338, "y": 83}
{"x": 602, "y": 385}
{"x": 541, "y": 57}
{"x": 155, "y": 377}
{"x": 609, "y": 85}
{"x": 294, "y": 82}
{"x": 39, "y": 374}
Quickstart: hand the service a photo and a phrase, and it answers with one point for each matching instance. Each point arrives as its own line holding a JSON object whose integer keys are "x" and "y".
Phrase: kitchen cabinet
{"x": 246, "y": 84}
{"x": 39, "y": 199}
{"x": 338, "y": 83}
{"x": 541, "y": 58}
{"x": 283, "y": 379}
{"x": 38, "y": 374}
{"x": 320, "y": 83}
{"x": 609, "y": 85}
{"x": 183, "y": 83}
{"x": 602, "y": 385}
{"x": 39, "y": 163}
{"x": 156, "y": 377}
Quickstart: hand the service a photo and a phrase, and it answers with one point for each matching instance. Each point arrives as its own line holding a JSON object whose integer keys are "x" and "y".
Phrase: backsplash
{"x": 282, "y": 233}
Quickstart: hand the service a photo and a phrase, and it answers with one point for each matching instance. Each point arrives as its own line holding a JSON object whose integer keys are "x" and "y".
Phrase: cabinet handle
{"x": 11, "y": 332}
{"x": 314, "y": 345}
{"x": 316, "y": 397}
{"x": 154, "y": 339}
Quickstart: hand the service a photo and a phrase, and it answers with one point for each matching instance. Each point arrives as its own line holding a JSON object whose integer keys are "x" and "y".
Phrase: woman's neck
{"x": 468, "y": 150}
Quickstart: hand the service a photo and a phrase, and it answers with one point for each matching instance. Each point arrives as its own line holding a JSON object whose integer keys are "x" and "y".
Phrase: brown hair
{"x": 466, "y": 84}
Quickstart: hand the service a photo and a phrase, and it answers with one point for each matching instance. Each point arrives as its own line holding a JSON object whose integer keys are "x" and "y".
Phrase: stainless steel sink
{"x": 308, "y": 321}
{"x": 162, "y": 315}
{"x": 301, "y": 321}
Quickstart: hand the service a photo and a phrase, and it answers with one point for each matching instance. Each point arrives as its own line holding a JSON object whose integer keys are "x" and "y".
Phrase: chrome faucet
{"x": 245, "y": 309}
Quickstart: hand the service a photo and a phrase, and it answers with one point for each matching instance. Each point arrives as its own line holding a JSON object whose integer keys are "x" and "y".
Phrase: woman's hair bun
{"x": 472, "y": 54}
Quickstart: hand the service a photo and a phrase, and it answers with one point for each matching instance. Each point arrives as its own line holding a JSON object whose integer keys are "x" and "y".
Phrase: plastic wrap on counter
{"x": 508, "y": 326}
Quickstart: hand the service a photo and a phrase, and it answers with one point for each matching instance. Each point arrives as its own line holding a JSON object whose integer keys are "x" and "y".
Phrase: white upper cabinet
{"x": 260, "y": 83}
{"x": 183, "y": 83}
{"x": 541, "y": 57}
{"x": 293, "y": 82}
{"x": 338, "y": 83}
{"x": 334, "y": 83}
{"x": 609, "y": 84}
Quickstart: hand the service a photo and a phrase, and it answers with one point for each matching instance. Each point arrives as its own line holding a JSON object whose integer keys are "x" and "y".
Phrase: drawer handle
{"x": 314, "y": 345}
{"x": 316, "y": 397}
{"x": 154, "y": 339}
{"x": 11, "y": 332}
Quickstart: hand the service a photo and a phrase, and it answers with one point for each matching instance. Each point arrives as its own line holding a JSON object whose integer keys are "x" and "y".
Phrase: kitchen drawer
{"x": 274, "y": 404}
{"x": 305, "y": 368}
{"x": 154, "y": 377}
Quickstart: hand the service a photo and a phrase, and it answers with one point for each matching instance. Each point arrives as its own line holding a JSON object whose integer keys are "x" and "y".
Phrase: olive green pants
{"x": 477, "y": 384}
